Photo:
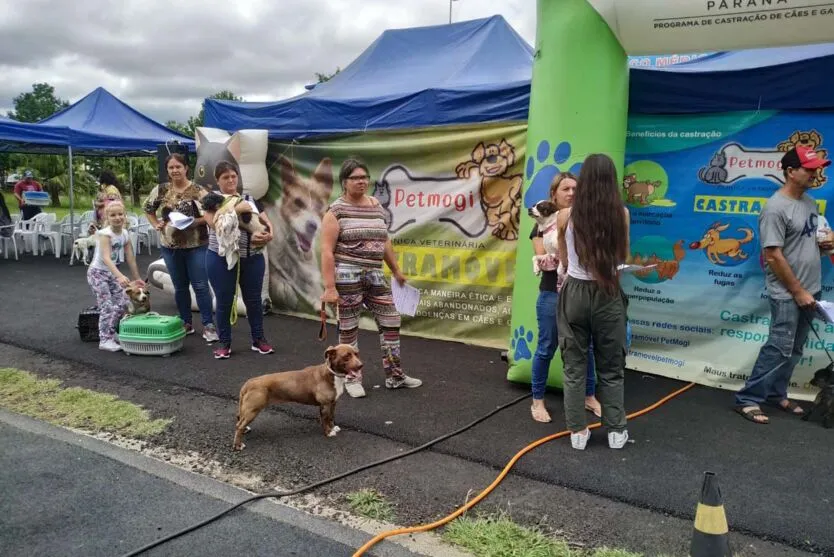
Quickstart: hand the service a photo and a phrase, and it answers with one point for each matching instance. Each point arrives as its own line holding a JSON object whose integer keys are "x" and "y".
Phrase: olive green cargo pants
{"x": 587, "y": 313}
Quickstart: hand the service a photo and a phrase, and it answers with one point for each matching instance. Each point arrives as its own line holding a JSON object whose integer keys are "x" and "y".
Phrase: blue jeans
{"x": 778, "y": 357}
{"x": 187, "y": 268}
{"x": 546, "y": 311}
{"x": 223, "y": 283}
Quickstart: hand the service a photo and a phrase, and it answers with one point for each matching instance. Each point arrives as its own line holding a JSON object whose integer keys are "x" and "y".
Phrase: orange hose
{"x": 445, "y": 520}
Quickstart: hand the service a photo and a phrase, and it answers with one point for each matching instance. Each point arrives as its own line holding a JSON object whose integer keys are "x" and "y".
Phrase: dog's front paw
{"x": 240, "y": 447}
{"x": 334, "y": 430}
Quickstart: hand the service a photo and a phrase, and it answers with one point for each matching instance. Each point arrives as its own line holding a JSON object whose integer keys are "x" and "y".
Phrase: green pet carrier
{"x": 151, "y": 334}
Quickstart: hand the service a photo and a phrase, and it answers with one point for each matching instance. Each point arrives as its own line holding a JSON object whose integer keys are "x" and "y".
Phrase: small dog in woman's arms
{"x": 544, "y": 213}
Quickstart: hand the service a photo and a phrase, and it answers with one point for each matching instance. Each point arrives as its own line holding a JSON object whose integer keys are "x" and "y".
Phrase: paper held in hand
{"x": 179, "y": 220}
{"x": 406, "y": 297}
{"x": 626, "y": 268}
{"x": 825, "y": 311}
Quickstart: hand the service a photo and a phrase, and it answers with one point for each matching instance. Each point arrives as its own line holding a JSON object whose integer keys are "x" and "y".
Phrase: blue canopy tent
{"x": 23, "y": 137}
{"x": 97, "y": 125}
{"x": 479, "y": 71}
{"x": 474, "y": 71}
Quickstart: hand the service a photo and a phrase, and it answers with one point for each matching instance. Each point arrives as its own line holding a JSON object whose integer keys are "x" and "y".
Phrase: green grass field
{"x": 81, "y": 203}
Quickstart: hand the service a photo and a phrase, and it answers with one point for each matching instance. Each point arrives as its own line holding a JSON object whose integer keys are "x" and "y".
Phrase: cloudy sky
{"x": 164, "y": 57}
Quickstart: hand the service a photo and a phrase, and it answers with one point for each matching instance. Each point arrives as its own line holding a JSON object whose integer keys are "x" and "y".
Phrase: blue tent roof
{"x": 783, "y": 78}
{"x": 473, "y": 71}
{"x": 23, "y": 137}
{"x": 480, "y": 71}
{"x": 100, "y": 123}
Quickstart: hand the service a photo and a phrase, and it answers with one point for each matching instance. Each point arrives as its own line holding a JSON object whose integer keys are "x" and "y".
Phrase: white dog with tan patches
{"x": 544, "y": 213}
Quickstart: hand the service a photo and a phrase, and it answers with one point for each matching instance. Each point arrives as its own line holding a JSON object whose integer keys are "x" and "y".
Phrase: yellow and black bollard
{"x": 711, "y": 535}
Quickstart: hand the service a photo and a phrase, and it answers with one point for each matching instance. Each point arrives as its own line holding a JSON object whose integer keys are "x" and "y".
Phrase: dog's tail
{"x": 748, "y": 235}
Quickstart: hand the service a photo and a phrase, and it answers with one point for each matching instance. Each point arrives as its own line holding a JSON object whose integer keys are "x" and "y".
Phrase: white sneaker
{"x": 580, "y": 440}
{"x": 210, "y": 334}
{"x": 403, "y": 382}
{"x": 617, "y": 439}
{"x": 109, "y": 345}
{"x": 355, "y": 389}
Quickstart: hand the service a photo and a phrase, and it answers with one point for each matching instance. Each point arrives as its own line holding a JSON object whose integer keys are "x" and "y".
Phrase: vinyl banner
{"x": 662, "y": 26}
{"x": 453, "y": 197}
{"x": 695, "y": 186}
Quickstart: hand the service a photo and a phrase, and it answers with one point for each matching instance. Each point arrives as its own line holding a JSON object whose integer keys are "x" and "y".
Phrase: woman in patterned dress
{"x": 184, "y": 251}
{"x": 354, "y": 245}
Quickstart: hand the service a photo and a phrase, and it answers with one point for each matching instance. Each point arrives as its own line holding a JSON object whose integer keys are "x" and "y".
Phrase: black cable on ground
{"x": 324, "y": 481}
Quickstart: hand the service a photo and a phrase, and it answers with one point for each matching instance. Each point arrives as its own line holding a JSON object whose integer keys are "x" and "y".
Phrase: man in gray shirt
{"x": 788, "y": 233}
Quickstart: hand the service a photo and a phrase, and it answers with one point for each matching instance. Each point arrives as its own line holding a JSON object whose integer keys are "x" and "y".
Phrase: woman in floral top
{"x": 184, "y": 251}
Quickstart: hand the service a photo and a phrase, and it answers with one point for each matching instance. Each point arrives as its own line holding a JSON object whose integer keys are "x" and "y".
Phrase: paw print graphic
{"x": 521, "y": 344}
{"x": 539, "y": 180}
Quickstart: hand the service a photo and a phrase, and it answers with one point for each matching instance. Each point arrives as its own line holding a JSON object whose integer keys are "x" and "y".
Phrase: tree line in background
{"x": 52, "y": 170}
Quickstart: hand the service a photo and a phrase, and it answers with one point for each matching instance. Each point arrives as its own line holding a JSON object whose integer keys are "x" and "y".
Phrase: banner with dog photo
{"x": 695, "y": 186}
{"x": 453, "y": 195}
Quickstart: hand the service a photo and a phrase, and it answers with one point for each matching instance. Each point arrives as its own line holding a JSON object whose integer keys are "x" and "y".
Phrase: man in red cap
{"x": 788, "y": 234}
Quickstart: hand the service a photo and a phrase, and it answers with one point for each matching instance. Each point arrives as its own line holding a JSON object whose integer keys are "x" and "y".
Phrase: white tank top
{"x": 575, "y": 270}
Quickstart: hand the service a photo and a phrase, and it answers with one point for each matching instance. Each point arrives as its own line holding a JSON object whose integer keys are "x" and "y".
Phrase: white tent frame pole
{"x": 130, "y": 177}
{"x": 71, "y": 193}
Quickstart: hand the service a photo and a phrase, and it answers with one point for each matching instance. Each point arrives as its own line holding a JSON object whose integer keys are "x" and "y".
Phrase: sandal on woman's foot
{"x": 791, "y": 407}
{"x": 754, "y": 414}
{"x": 594, "y": 407}
{"x": 540, "y": 414}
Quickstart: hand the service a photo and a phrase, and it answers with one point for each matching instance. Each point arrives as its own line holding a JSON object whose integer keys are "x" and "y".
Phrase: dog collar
{"x": 330, "y": 369}
{"x": 549, "y": 228}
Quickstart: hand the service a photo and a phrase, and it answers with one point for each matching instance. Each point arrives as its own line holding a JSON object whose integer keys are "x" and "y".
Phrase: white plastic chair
{"x": 52, "y": 233}
{"x": 28, "y": 230}
{"x": 11, "y": 239}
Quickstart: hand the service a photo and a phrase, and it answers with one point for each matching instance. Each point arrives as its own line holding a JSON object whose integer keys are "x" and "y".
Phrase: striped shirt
{"x": 244, "y": 244}
{"x": 363, "y": 232}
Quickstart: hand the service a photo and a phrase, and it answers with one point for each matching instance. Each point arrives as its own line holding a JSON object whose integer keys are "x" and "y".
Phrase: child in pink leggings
{"x": 107, "y": 281}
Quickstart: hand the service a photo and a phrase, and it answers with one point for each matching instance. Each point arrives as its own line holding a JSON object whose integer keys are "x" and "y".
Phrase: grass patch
{"x": 371, "y": 504}
{"x": 46, "y": 399}
{"x": 498, "y": 536}
{"x": 608, "y": 552}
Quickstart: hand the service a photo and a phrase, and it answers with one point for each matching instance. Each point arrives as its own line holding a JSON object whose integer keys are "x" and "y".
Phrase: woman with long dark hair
{"x": 593, "y": 242}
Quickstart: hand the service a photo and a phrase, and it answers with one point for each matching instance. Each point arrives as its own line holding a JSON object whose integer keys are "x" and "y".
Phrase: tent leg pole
{"x": 71, "y": 195}
{"x": 130, "y": 179}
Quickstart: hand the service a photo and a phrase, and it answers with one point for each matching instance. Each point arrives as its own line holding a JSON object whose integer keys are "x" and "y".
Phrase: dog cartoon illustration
{"x": 715, "y": 246}
{"x": 716, "y": 172}
{"x": 500, "y": 191}
{"x": 638, "y": 192}
{"x": 811, "y": 139}
{"x": 294, "y": 275}
{"x": 666, "y": 270}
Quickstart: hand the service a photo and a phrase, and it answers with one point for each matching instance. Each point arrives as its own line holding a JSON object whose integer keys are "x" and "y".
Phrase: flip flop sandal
{"x": 751, "y": 415}
{"x": 791, "y": 408}
{"x": 540, "y": 415}
{"x": 595, "y": 411}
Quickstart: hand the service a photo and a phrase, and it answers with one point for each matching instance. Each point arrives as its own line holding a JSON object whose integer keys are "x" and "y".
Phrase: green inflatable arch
{"x": 579, "y": 97}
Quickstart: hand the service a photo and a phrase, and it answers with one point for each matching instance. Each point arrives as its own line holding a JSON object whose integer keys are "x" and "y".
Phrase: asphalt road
{"x": 776, "y": 479}
{"x": 68, "y": 494}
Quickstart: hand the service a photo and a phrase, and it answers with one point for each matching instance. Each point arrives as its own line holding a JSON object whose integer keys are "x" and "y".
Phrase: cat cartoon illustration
{"x": 209, "y": 153}
{"x": 716, "y": 172}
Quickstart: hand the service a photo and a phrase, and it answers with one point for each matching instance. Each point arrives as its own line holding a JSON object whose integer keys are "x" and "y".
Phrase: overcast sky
{"x": 164, "y": 57}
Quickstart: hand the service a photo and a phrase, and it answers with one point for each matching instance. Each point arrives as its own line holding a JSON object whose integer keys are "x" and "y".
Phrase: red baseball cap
{"x": 806, "y": 157}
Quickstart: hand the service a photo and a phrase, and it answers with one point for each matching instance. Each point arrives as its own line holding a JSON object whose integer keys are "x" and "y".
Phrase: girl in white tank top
{"x": 592, "y": 307}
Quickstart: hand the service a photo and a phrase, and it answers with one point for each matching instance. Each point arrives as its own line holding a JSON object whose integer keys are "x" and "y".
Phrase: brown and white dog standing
{"x": 320, "y": 385}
